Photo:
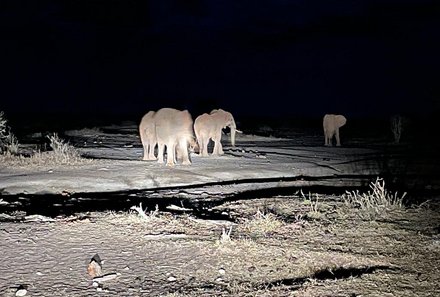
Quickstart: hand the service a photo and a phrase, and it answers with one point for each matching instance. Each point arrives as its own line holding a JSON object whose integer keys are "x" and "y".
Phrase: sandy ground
{"x": 285, "y": 246}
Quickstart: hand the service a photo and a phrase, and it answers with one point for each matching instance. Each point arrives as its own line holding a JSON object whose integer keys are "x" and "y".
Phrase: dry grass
{"x": 374, "y": 203}
{"x": 261, "y": 224}
{"x": 284, "y": 262}
{"x": 62, "y": 153}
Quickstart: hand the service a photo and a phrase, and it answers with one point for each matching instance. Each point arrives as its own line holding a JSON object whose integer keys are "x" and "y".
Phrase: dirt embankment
{"x": 285, "y": 246}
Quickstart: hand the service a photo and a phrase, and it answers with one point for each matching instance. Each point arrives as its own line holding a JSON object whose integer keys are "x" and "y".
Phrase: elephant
{"x": 147, "y": 132}
{"x": 331, "y": 124}
{"x": 174, "y": 129}
{"x": 210, "y": 126}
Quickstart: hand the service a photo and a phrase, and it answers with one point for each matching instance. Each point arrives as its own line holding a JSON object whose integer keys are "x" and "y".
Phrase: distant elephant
{"x": 331, "y": 125}
{"x": 174, "y": 129}
{"x": 147, "y": 132}
{"x": 210, "y": 126}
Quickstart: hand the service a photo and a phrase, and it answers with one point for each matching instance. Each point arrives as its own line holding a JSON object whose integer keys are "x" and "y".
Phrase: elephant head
{"x": 210, "y": 126}
{"x": 331, "y": 125}
{"x": 227, "y": 120}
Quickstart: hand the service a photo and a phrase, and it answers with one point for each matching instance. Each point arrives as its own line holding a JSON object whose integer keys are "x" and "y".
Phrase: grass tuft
{"x": 375, "y": 202}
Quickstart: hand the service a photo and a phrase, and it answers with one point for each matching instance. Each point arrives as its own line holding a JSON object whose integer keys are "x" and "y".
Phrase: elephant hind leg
{"x": 204, "y": 147}
{"x": 171, "y": 156}
{"x": 151, "y": 155}
{"x": 160, "y": 152}
{"x": 338, "y": 141}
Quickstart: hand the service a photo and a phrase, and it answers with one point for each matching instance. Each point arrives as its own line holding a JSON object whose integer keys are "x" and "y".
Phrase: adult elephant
{"x": 147, "y": 132}
{"x": 331, "y": 124}
{"x": 174, "y": 129}
{"x": 210, "y": 126}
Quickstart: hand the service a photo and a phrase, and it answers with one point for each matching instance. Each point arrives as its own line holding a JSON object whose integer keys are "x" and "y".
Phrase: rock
{"x": 21, "y": 291}
{"x": 94, "y": 268}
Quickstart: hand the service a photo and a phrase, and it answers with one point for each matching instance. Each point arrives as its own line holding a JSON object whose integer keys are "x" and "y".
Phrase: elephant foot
{"x": 186, "y": 162}
{"x": 170, "y": 164}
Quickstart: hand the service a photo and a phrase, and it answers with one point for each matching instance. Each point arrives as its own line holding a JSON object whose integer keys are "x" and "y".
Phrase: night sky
{"x": 276, "y": 58}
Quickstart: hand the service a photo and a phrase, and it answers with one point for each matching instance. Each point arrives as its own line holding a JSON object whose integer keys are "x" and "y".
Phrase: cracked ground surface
{"x": 277, "y": 246}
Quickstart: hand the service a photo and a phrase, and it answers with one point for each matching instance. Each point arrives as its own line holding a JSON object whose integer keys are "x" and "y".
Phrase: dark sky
{"x": 277, "y": 57}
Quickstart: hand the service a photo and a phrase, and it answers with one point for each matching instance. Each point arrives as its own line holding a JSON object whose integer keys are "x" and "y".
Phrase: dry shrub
{"x": 313, "y": 212}
{"x": 62, "y": 153}
{"x": 375, "y": 202}
{"x": 8, "y": 141}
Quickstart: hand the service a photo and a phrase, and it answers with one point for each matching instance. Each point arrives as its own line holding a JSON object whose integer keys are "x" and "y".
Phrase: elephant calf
{"x": 331, "y": 124}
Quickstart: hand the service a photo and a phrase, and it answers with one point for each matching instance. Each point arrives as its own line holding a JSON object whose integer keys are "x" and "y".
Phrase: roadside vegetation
{"x": 60, "y": 153}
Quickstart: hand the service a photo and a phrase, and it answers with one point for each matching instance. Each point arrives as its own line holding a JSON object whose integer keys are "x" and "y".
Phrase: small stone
{"x": 21, "y": 292}
{"x": 99, "y": 289}
{"x": 95, "y": 284}
{"x": 39, "y": 273}
{"x": 221, "y": 271}
{"x": 127, "y": 268}
{"x": 172, "y": 279}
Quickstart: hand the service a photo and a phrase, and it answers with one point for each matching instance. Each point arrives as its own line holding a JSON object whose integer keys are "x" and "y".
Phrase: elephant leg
{"x": 171, "y": 156}
{"x": 151, "y": 148}
{"x": 144, "y": 144}
{"x": 183, "y": 150}
{"x": 200, "y": 144}
{"x": 338, "y": 141}
{"x": 327, "y": 138}
{"x": 218, "y": 150}
{"x": 145, "y": 157}
{"x": 160, "y": 152}
{"x": 204, "y": 147}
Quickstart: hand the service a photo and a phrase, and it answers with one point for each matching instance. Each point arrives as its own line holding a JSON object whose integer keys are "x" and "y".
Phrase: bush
{"x": 8, "y": 141}
{"x": 63, "y": 152}
{"x": 375, "y": 202}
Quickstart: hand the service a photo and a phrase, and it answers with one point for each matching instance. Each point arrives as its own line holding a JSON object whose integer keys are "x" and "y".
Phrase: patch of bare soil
{"x": 284, "y": 246}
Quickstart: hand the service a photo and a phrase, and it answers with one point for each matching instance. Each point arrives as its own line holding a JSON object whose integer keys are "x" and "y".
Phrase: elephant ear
{"x": 340, "y": 120}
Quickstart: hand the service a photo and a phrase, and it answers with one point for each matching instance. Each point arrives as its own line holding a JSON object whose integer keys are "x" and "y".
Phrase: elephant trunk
{"x": 233, "y": 130}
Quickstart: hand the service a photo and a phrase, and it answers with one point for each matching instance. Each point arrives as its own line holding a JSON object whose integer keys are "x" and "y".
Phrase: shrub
{"x": 375, "y": 202}
{"x": 63, "y": 152}
{"x": 8, "y": 141}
